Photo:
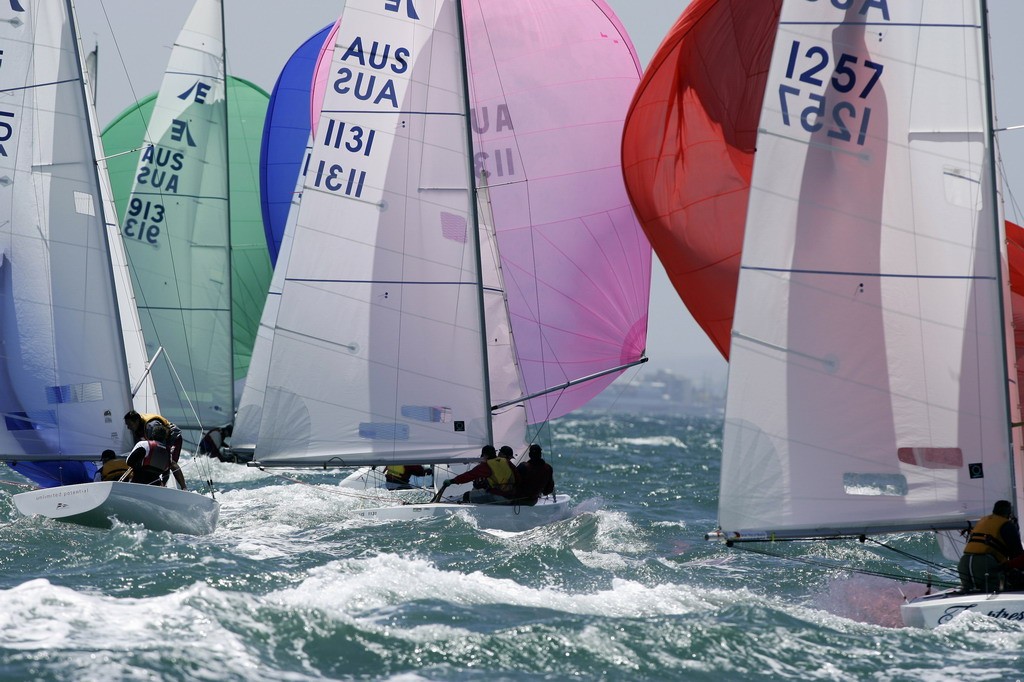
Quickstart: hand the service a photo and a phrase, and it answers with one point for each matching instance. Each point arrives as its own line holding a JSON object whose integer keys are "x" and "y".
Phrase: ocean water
{"x": 291, "y": 587}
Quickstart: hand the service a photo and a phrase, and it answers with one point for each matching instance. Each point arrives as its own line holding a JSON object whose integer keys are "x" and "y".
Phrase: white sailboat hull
{"x": 96, "y": 504}
{"x": 937, "y": 609}
{"x": 512, "y": 518}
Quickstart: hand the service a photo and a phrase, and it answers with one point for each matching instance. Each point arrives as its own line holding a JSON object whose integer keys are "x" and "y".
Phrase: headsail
{"x": 63, "y": 373}
{"x": 868, "y": 380}
{"x": 250, "y": 268}
{"x": 176, "y": 229}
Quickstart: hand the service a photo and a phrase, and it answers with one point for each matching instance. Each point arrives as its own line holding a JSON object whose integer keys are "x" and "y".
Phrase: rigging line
{"x": 937, "y": 566}
{"x": 851, "y": 569}
{"x": 570, "y": 383}
{"x": 124, "y": 66}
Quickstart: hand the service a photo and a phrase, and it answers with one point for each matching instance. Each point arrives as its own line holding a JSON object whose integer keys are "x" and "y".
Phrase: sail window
{"x": 84, "y": 204}
{"x": 425, "y": 413}
{"x": 453, "y": 227}
{"x": 962, "y": 187}
{"x": 875, "y": 484}
{"x": 383, "y": 431}
{"x": 932, "y": 458}
{"x": 74, "y": 393}
{"x": 21, "y": 421}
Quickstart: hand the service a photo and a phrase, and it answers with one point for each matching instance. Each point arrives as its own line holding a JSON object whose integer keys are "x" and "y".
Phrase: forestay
{"x": 868, "y": 381}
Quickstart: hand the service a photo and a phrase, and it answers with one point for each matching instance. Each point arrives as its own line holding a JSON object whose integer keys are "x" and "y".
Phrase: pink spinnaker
{"x": 550, "y": 84}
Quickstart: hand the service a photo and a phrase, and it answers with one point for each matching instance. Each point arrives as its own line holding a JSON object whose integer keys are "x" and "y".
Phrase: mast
{"x": 994, "y": 196}
{"x": 227, "y": 187}
{"x": 475, "y": 219}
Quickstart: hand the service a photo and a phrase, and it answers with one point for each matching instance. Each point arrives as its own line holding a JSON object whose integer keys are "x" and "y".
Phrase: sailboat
{"x": 176, "y": 229}
{"x": 72, "y": 356}
{"x": 464, "y": 264}
{"x": 871, "y": 386}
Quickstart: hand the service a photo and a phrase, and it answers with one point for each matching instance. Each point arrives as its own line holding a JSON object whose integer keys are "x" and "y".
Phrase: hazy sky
{"x": 262, "y": 34}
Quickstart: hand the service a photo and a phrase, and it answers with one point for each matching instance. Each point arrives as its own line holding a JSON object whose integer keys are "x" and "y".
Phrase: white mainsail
{"x": 176, "y": 229}
{"x": 360, "y": 281}
{"x": 868, "y": 384}
{"x": 64, "y": 374}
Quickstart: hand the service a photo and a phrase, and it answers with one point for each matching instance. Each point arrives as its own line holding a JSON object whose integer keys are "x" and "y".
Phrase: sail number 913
{"x": 143, "y": 220}
{"x": 849, "y": 75}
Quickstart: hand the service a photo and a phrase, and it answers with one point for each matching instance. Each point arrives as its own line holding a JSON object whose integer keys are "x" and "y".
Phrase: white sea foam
{"x": 656, "y": 442}
{"x": 356, "y": 588}
{"x": 37, "y": 615}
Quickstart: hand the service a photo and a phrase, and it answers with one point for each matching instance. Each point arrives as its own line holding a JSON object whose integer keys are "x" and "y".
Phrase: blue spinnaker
{"x": 285, "y": 134}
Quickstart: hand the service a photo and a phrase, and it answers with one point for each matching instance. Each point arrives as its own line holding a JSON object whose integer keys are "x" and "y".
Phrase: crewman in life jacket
{"x": 396, "y": 476}
{"x": 144, "y": 427}
{"x": 150, "y": 459}
{"x": 993, "y": 541}
{"x": 536, "y": 477}
{"x": 114, "y": 468}
{"x": 494, "y": 479}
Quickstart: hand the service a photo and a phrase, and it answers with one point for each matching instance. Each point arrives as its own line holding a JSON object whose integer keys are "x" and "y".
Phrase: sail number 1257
{"x": 850, "y": 77}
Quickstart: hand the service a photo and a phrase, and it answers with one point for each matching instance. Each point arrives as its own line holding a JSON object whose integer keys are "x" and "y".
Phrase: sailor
{"x": 144, "y": 426}
{"x": 113, "y": 467}
{"x": 494, "y": 479}
{"x": 150, "y": 459}
{"x": 993, "y": 541}
{"x": 536, "y": 477}
{"x": 396, "y": 476}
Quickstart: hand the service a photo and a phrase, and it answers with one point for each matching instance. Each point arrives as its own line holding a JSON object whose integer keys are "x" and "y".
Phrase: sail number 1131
{"x": 850, "y": 77}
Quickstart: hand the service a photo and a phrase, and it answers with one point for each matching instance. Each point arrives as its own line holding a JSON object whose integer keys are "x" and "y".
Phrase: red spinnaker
{"x": 688, "y": 149}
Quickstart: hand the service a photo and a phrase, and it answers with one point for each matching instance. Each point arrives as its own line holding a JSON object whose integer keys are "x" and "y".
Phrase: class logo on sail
{"x": 396, "y": 6}
{"x": 197, "y": 92}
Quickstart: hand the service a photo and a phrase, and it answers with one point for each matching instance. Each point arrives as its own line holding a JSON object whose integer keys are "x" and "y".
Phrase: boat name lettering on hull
{"x": 1007, "y": 615}
{"x": 62, "y": 493}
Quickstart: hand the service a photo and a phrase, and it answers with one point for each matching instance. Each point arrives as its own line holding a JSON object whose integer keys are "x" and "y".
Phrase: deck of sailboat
{"x": 97, "y": 504}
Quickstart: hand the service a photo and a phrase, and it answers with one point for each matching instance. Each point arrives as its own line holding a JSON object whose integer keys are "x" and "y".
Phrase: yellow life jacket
{"x": 149, "y": 417}
{"x": 502, "y": 478}
{"x": 114, "y": 469}
{"x": 985, "y": 538}
{"x": 396, "y": 473}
